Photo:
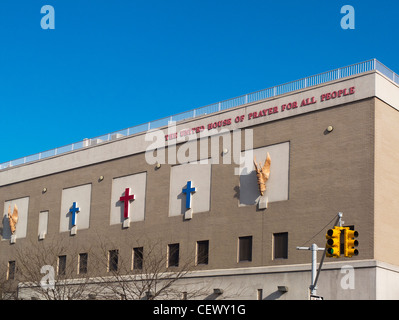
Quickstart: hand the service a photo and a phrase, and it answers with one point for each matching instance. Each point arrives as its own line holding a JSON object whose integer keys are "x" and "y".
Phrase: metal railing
{"x": 358, "y": 68}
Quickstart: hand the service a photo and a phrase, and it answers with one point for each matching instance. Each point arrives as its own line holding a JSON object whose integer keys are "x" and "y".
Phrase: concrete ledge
{"x": 356, "y": 264}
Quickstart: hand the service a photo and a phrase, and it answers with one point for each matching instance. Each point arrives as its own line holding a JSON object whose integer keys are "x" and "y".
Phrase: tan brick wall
{"x": 328, "y": 173}
{"x": 386, "y": 214}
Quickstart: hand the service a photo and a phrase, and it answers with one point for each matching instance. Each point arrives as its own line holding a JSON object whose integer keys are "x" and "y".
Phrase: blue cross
{"x": 74, "y": 210}
{"x": 188, "y": 192}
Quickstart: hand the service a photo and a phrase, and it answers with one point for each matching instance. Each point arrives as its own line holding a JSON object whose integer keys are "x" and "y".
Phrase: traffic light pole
{"x": 314, "y": 248}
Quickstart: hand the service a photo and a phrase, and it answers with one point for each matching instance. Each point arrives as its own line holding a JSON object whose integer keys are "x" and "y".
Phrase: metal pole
{"x": 314, "y": 268}
{"x": 338, "y": 222}
{"x": 315, "y": 248}
{"x": 321, "y": 264}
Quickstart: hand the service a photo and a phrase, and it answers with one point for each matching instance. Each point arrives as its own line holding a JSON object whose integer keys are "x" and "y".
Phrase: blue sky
{"x": 109, "y": 65}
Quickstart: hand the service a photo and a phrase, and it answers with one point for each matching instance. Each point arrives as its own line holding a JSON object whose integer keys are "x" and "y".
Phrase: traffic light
{"x": 350, "y": 242}
{"x": 333, "y": 242}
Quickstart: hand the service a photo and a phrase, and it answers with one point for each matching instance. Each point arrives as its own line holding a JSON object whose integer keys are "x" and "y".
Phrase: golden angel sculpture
{"x": 13, "y": 218}
{"x": 262, "y": 173}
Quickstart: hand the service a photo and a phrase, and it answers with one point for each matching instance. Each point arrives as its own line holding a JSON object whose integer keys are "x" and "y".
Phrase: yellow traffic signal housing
{"x": 333, "y": 244}
{"x": 350, "y": 242}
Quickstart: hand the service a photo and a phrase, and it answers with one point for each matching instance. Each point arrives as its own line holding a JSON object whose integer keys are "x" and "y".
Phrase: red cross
{"x": 126, "y": 199}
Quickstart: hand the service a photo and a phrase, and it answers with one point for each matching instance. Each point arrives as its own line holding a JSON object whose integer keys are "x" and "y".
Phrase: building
{"x": 332, "y": 142}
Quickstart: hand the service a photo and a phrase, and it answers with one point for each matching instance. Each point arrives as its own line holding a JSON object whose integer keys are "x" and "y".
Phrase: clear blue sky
{"x": 109, "y": 65}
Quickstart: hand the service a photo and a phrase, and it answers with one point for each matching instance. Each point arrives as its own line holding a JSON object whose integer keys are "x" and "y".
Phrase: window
{"x": 83, "y": 263}
{"x": 138, "y": 258}
{"x": 173, "y": 255}
{"x": 280, "y": 241}
{"x": 11, "y": 270}
{"x": 61, "y": 265}
{"x": 259, "y": 295}
{"x": 202, "y": 252}
{"x": 245, "y": 249}
{"x": 113, "y": 260}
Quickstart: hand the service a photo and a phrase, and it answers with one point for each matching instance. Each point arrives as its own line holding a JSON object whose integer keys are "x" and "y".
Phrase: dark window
{"x": 280, "y": 245}
{"x": 245, "y": 248}
{"x": 260, "y": 294}
{"x": 83, "y": 263}
{"x": 61, "y": 265}
{"x": 202, "y": 252}
{"x": 138, "y": 258}
{"x": 11, "y": 270}
{"x": 173, "y": 255}
{"x": 113, "y": 260}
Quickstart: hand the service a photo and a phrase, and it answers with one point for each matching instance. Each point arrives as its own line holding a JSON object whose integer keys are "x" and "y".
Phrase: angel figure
{"x": 13, "y": 218}
{"x": 262, "y": 173}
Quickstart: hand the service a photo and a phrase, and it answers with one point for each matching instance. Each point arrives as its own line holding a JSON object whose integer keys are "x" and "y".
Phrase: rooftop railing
{"x": 340, "y": 73}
